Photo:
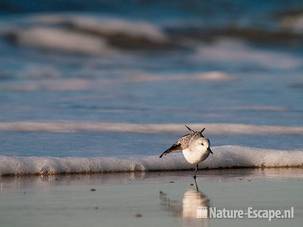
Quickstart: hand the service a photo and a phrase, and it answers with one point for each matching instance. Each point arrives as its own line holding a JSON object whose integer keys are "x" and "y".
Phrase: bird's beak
{"x": 210, "y": 151}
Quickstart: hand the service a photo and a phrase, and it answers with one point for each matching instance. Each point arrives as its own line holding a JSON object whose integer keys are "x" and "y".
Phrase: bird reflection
{"x": 193, "y": 208}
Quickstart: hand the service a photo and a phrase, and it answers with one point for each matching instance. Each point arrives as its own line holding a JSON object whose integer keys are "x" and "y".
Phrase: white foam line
{"x": 224, "y": 157}
{"x": 212, "y": 128}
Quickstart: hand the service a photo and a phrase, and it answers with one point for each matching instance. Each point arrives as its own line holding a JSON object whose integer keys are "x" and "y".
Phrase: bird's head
{"x": 203, "y": 144}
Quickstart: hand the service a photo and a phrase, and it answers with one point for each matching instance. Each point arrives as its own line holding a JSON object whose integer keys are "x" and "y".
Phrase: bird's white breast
{"x": 195, "y": 156}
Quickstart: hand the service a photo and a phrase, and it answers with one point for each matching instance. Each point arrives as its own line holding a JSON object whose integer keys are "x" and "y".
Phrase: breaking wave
{"x": 224, "y": 157}
{"x": 59, "y": 40}
{"x": 86, "y": 34}
{"x": 99, "y": 35}
{"x": 104, "y": 26}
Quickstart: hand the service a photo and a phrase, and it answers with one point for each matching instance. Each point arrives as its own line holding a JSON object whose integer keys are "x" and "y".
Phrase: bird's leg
{"x": 195, "y": 176}
{"x": 196, "y": 170}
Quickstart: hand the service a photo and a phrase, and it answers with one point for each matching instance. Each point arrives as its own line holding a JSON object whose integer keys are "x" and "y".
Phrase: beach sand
{"x": 149, "y": 199}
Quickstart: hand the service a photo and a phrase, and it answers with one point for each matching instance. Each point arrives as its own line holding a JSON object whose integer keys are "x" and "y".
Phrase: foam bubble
{"x": 224, "y": 157}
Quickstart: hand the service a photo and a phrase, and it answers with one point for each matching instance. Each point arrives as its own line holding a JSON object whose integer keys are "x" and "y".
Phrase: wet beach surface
{"x": 159, "y": 198}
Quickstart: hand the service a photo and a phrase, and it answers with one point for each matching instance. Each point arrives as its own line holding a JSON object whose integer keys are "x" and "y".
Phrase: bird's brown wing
{"x": 181, "y": 144}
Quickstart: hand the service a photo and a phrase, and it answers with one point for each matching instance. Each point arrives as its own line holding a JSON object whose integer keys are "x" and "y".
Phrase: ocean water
{"x": 108, "y": 85}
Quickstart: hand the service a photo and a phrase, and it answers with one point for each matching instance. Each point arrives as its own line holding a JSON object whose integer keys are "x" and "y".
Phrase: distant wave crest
{"x": 86, "y": 35}
{"x": 92, "y": 126}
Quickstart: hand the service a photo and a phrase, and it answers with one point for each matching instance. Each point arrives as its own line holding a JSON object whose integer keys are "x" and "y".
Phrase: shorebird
{"x": 194, "y": 146}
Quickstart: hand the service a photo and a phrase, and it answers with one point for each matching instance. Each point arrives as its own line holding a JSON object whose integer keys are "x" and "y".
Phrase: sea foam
{"x": 223, "y": 157}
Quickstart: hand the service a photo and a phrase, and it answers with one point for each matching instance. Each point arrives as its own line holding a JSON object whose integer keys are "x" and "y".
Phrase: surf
{"x": 229, "y": 157}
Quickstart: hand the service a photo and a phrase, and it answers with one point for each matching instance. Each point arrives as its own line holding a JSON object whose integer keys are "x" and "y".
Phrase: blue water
{"x": 42, "y": 84}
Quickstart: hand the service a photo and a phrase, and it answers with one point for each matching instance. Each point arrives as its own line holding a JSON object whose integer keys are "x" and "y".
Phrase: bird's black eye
{"x": 202, "y": 144}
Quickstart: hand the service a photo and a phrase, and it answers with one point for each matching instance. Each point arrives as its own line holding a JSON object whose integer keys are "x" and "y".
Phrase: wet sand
{"x": 149, "y": 199}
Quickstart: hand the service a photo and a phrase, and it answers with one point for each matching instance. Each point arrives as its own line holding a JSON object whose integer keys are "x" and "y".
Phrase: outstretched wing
{"x": 181, "y": 144}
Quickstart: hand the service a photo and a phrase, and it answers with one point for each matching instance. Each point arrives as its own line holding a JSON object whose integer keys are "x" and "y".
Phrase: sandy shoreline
{"x": 149, "y": 199}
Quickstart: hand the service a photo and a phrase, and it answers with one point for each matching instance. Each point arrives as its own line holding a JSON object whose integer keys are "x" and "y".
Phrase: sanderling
{"x": 194, "y": 146}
